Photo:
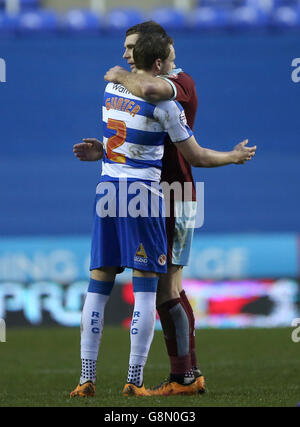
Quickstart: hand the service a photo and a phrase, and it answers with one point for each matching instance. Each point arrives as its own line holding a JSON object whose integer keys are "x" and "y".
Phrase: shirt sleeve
{"x": 171, "y": 115}
{"x": 183, "y": 85}
{"x": 172, "y": 85}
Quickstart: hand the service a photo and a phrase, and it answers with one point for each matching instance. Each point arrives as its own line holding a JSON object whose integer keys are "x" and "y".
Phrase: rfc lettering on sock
{"x": 95, "y": 322}
{"x": 135, "y": 320}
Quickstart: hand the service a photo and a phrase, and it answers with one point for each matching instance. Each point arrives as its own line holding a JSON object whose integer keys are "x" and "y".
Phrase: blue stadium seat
{"x": 38, "y": 21}
{"x": 209, "y": 18}
{"x": 80, "y": 20}
{"x": 247, "y": 17}
{"x": 291, "y": 3}
{"x": 8, "y": 23}
{"x": 121, "y": 19}
{"x": 25, "y": 4}
{"x": 270, "y": 5}
{"x": 286, "y": 17}
{"x": 169, "y": 18}
{"x": 217, "y": 3}
{"x": 260, "y": 4}
{"x": 30, "y": 4}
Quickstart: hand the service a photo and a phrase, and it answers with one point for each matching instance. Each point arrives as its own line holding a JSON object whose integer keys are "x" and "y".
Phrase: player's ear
{"x": 158, "y": 64}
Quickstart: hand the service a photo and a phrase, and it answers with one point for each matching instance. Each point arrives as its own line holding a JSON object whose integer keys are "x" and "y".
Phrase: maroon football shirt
{"x": 174, "y": 166}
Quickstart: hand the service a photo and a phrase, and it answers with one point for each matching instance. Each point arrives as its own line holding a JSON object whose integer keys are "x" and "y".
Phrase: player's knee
{"x": 166, "y": 292}
{"x": 105, "y": 274}
{"x": 142, "y": 273}
{"x": 169, "y": 285}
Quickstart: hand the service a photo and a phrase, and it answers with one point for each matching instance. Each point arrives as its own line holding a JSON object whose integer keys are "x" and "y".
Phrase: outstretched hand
{"x": 243, "y": 153}
{"x": 90, "y": 150}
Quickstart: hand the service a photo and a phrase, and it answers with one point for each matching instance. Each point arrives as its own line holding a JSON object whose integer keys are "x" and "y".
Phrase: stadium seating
{"x": 229, "y": 15}
{"x": 270, "y": 6}
{"x": 25, "y": 4}
{"x": 30, "y": 4}
{"x": 286, "y": 17}
{"x": 121, "y": 19}
{"x": 249, "y": 17}
{"x": 229, "y": 4}
{"x": 78, "y": 20}
{"x": 264, "y": 5}
{"x": 209, "y": 18}
{"x": 38, "y": 21}
{"x": 169, "y": 18}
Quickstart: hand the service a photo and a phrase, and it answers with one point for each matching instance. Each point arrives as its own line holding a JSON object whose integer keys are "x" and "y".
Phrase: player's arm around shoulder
{"x": 183, "y": 85}
{"x": 157, "y": 89}
{"x": 143, "y": 86}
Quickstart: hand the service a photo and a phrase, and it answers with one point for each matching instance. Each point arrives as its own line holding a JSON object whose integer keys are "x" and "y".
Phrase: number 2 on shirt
{"x": 116, "y": 140}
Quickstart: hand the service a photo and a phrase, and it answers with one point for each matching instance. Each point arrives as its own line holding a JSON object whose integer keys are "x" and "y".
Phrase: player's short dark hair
{"x": 147, "y": 27}
{"x": 150, "y": 47}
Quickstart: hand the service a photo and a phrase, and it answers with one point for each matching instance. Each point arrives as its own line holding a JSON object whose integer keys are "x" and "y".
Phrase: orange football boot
{"x": 87, "y": 389}
{"x": 201, "y": 386}
{"x": 172, "y": 388}
{"x": 133, "y": 390}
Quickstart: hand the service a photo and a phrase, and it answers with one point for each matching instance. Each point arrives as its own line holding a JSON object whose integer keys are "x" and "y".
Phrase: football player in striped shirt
{"x": 134, "y": 134}
{"x": 173, "y": 306}
{"x": 134, "y": 150}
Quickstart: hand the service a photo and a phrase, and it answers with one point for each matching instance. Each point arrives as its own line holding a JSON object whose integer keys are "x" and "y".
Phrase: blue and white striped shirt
{"x": 134, "y": 131}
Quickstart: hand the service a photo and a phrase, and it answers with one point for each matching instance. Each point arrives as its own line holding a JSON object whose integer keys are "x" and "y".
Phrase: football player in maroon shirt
{"x": 175, "y": 311}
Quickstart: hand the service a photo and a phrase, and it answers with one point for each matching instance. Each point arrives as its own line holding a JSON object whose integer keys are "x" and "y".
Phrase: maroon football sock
{"x": 175, "y": 325}
{"x": 189, "y": 311}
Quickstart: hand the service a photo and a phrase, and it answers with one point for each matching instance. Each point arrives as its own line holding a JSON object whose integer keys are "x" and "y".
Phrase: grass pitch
{"x": 247, "y": 367}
